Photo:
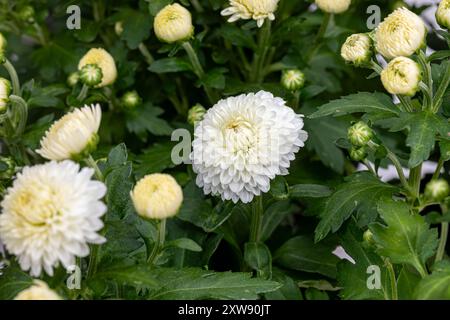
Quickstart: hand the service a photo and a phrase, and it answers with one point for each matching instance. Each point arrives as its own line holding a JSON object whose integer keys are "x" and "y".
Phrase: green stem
{"x": 40, "y": 34}
{"x": 83, "y": 93}
{"x": 438, "y": 169}
{"x": 256, "y": 221}
{"x": 320, "y": 34}
{"x": 198, "y": 69}
{"x": 198, "y": 7}
{"x": 442, "y": 89}
{"x": 369, "y": 166}
{"x": 393, "y": 280}
{"x": 261, "y": 53}
{"x": 376, "y": 67}
{"x": 442, "y": 241}
{"x": 13, "y": 76}
{"x": 159, "y": 242}
{"x": 428, "y": 79}
{"x": 406, "y": 102}
{"x": 414, "y": 180}
{"x": 147, "y": 55}
{"x": 91, "y": 163}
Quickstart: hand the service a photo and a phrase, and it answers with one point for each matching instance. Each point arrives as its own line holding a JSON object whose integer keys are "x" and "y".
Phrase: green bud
{"x": 3, "y": 45}
{"x": 131, "y": 99}
{"x": 368, "y": 238}
{"x": 5, "y": 92}
{"x": 437, "y": 190}
{"x": 358, "y": 154}
{"x": 73, "y": 79}
{"x": 293, "y": 79}
{"x": 196, "y": 114}
{"x": 360, "y": 134}
{"x": 27, "y": 14}
{"x": 118, "y": 28}
{"x": 91, "y": 75}
{"x": 7, "y": 168}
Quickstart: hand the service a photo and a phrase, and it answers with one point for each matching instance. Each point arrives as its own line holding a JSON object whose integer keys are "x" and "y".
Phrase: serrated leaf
{"x": 364, "y": 102}
{"x": 146, "y": 118}
{"x": 157, "y": 158}
{"x": 361, "y": 193}
{"x": 309, "y": 191}
{"x": 136, "y": 27}
{"x": 12, "y": 281}
{"x": 184, "y": 243}
{"x": 257, "y": 256}
{"x": 435, "y": 286}
{"x": 168, "y": 65}
{"x": 406, "y": 238}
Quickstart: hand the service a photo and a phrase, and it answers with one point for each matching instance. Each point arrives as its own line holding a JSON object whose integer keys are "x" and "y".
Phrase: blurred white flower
{"x": 243, "y": 142}
{"x": 402, "y": 76}
{"x": 38, "y": 291}
{"x": 104, "y": 61}
{"x": 258, "y": 10}
{"x": 402, "y": 33}
{"x": 73, "y": 136}
{"x": 50, "y": 214}
{"x": 333, "y": 6}
{"x": 173, "y": 23}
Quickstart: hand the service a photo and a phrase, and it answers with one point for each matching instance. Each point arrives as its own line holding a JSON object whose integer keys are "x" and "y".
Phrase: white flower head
{"x": 243, "y": 143}
{"x": 173, "y": 23}
{"x": 157, "y": 196}
{"x": 333, "y": 6}
{"x": 357, "y": 49}
{"x": 443, "y": 14}
{"x": 72, "y": 136}
{"x": 5, "y": 92}
{"x": 402, "y": 76}
{"x": 402, "y": 33}
{"x": 50, "y": 214}
{"x": 38, "y": 291}
{"x": 258, "y": 10}
{"x": 104, "y": 61}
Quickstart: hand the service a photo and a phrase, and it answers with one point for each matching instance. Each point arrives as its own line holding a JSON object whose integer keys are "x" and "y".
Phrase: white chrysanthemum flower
{"x": 173, "y": 23}
{"x": 443, "y": 14}
{"x": 50, "y": 214}
{"x": 5, "y": 92}
{"x": 157, "y": 196}
{"x": 38, "y": 291}
{"x": 333, "y": 6}
{"x": 104, "y": 61}
{"x": 402, "y": 76}
{"x": 402, "y": 33}
{"x": 243, "y": 142}
{"x": 73, "y": 136}
{"x": 357, "y": 49}
{"x": 258, "y": 10}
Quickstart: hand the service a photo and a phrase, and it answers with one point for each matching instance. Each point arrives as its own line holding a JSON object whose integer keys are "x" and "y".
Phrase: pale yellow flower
{"x": 38, "y": 291}
{"x": 357, "y": 49}
{"x": 104, "y": 61}
{"x": 402, "y": 76}
{"x": 258, "y": 10}
{"x": 443, "y": 14}
{"x": 173, "y": 23}
{"x": 333, "y": 6}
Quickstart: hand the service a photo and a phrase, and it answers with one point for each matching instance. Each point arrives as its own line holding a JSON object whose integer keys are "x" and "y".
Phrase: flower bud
{"x": 104, "y": 61}
{"x": 293, "y": 79}
{"x": 131, "y": 99}
{"x": 3, "y": 45}
{"x": 157, "y": 196}
{"x": 118, "y": 28}
{"x": 91, "y": 75}
{"x": 333, "y": 6}
{"x": 357, "y": 49}
{"x": 437, "y": 190}
{"x": 368, "y": 238}
{"x": 5, "y": 92}
{"x": 360, "y": 134}
{"x": 7, "y": 168}
{"x": 73, "y": 79}
{"x": 358, "y": 154}
{"x": 402, "y": 33}
{"x": 173, "y": 23}
{"x": 443, "y": 14}
{"x": 402, "y": 76}
{"x": 27, "y": 14}
{"x": 196, "y": 114}
{"x": 38, "y": 291}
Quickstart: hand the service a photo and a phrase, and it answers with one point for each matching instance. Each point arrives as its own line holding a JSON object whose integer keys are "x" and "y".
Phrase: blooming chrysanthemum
{"x": 104, "y": 61}
{"x": 443, "y": 14}
{"x": 173, "y": 23}
{"x": 38, "y": 291}
{"x": 50, "y": 214}
{"x": 402, "y": 76}
{"x": 357, "y": 49}
{"x": 401, "y": 34}
{"x": 73, "y": 136}
{"x": 333, "y": 6}
{"x": 258, "y": 10}
{"x": 157, "y": 196}
{"x": 243, "y": 142}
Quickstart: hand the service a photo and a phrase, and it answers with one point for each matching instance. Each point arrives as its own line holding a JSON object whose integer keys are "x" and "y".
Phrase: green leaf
{"x": 361, "y": 193}
{"x": 168, "y": 65}
{"x": 289, "y": 290}
{"x": 237, "y": 36}
{"x": 258, "y": 257}
{"x": 435, "y": 286}
{"x": 184, "y": 243}
{"x": 157, "y": 158}
{"x": 407, "y": 238}
{"x": 273, "y": 216}
{"x": 136, "y": 27}
{"x": 194, "y": 284}
{"x": 309, "y": 191}
{"x": 12, "y": 281}
{"x": 406, "y": 283}
{"x": 279, "y": 188}
{"x": 444, "y": 147}
{"x": 145, "y": 119}
{"x": 215, "y": 78}
{"x": 136, "y": 276}
{"x": 364, "y": 102}
{"x": 302, "y": 254}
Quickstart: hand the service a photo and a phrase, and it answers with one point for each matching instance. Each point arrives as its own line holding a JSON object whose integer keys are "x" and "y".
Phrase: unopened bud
{"x": 196, "y": 114}
{"x": 91, "y": 75}
{"x": 437, "y": 190}
{"x": 360, "y": 134}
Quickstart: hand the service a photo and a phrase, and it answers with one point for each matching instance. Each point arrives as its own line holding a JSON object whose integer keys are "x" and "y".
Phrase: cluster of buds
{"x": 359, "y": 136}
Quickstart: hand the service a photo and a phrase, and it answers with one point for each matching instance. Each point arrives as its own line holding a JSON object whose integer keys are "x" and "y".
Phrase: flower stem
{"x": 198, "y": 7}
{"x": 91, "y": 163}
{"x": 406, "y": 102}
{"x": 147, "y": 55}
{"x": 83, "y": 93}
{"x": 376, "y": 67}
{"x": 13, "y": 75}
{"x": 414, "y": 180}
{"x": 438, "y": 169}
{"x": 428, "y": 79}
{"x": 198, "y": 69}
{"x": 390, "y": 268}
{"x": 256, "y": 221}
{"x": 320, "y": 34}
{"x": 159, "y": 242}
{"x": 442, "y": 241}
{"x": 259, "y": 60}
